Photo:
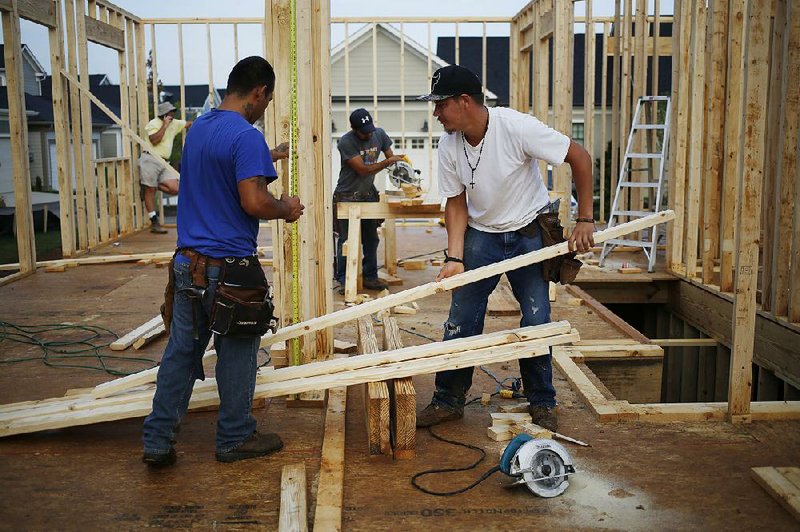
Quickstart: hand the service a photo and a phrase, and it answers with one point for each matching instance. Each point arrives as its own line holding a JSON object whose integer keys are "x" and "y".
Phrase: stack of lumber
{"x": 507, "y": 425}
{"x": 131, "y": 396}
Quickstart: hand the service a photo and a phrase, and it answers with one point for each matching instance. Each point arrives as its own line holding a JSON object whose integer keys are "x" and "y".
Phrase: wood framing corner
{"x": 607, "y": 408}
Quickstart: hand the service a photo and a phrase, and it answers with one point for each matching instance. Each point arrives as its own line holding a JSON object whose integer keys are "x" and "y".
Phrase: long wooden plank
{"x": 293, "y": 516}
{"x": 779, "y": 487}
{"x": 376, "y": 396}
{"x": 608, "y": 316}
{"x": 40, "y": 11}
{"x": 105, "y": 34}
{"x": 18, "y": 123}
{"x": 418, "y": 292}
{"x": 474, "y": 342}
{"x": 748, "y": 217}
{"x": 404, "y": 399}
{"x": 330, "y": 490}
{"x": 205, "y": 392}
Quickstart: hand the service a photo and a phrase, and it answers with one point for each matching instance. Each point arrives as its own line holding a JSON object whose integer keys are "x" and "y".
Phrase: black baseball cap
{"x": 361, "y": 120}
{"x": 452, "y": 80}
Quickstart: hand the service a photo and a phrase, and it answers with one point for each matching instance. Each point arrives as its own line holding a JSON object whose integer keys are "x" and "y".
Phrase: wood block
{"x": 415, "y": 264}
{"x": 144, "y": 262}
{"x": 376, "y": 396}
{"x": 403, "y": 397}
{"x": 502, "y": 302}
{"x": 415, "y": 305}
{"x": 340, "y": 346}
{"x": 383, "y": 293}
{"x": 533, "y": 429}
{"x": 403, "y": 309}
{"x": 391, "y": 280}
{"x": 54, "y": 269}
{"x": 486, "y": 398}
{"x": 519, "y": 407}
{"x": 507, "y": 418}
{"x": 552, "y": 291}
{"x": 574, "y": 302}
{"x": 437, "y": 262}
{"x": 148, "y": 337}
{"x": 630, "y": 269}
{"x": 499, "y": 434}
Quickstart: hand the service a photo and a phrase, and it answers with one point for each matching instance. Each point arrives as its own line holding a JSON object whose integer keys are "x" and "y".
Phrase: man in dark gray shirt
{"x": 360, "y": 148}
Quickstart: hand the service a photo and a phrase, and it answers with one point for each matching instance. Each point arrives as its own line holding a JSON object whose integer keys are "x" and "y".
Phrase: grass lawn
{"x": 48, "y": 247}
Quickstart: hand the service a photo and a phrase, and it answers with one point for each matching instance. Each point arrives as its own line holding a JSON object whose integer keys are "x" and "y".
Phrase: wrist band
{"x": 585, "y": 220}
{"x": 453, "y": 259}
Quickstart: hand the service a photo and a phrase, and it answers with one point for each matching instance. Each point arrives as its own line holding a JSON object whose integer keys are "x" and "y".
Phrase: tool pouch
{"x": 563, "y": 268}
{"x": 169, "y": 294}
{"x": 242, "y": 303}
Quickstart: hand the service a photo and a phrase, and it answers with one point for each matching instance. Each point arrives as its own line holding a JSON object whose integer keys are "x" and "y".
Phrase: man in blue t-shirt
{"x": 359, "y": 149}
{"x": 226, "y": 166}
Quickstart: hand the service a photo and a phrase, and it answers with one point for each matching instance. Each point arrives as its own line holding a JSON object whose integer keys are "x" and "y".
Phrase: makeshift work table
{"x": 354, "y": 212}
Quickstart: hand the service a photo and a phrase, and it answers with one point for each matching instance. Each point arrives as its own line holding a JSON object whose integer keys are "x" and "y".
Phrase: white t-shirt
{"x": 509, "y": 189}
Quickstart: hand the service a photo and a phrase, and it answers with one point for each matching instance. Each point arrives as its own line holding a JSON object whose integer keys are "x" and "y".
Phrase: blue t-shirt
{"x": 221, "y": 149}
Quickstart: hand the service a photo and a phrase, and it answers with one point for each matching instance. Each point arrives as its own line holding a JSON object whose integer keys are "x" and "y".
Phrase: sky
{"x": 103, "y": 60}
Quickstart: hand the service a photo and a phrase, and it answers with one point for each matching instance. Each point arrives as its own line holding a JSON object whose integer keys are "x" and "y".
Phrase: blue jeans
{"x": 369, "y": 249}
{"x": 182, "y": 364}
{"x": 468, "y": 311}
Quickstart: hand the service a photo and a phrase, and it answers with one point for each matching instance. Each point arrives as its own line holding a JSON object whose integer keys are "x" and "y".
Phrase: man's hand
{"x": 450, "y": 269}
{"x": 394, "y": 158}
{"x": 294, "y": 207}
{"x": 281, "y": 151}
{"x": 167, "y": 121}
{"x": 582, "y": 237}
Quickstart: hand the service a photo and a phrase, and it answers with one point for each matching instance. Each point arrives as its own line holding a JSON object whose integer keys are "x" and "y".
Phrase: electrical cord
{"x": 58, "y": 353}
{"x": 475, "y": 464}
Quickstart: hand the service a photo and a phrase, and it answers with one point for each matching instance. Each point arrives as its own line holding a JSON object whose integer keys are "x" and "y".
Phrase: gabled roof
{"x": 497, "y": 72}
{"x": 416, "y": 49}
{"x": 42, "y": 106}
{"x": 28, "y": 55}
{"x": 196, "y": 95}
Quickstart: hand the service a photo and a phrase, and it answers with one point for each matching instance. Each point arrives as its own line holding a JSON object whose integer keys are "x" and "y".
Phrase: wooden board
{"x": 330, "y": 490}
{"x": 376, "y": 395}
{"x": 502, "y": 301}
{"x": 293, "y": 517}
{"x": 783, "y": 483}
{"x": 403, "y": 400}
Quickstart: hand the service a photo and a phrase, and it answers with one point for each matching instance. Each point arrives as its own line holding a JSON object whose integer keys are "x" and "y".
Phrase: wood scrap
{"x": 630, "y": 269}
{"x": 403, "y": 398}
{"x": 404, "y": 309}
{"x": 783, "y": 484}
{"x": 55, "y": 269}
{"x": 414, "y": 264}
{"x": 391, "y": 280}
{"x": 148, "y": 337}
{"x": 502, "y": 301}
{"x": 293, "y": 517}
{"x": 376, "y": 396}
{"x": 330, "y": 489}
{"x": 127, "y": 340}
{"x": 341, "y": 346}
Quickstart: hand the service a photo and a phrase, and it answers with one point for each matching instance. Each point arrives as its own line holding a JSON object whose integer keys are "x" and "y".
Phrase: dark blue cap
{"x": 361, "y": 120}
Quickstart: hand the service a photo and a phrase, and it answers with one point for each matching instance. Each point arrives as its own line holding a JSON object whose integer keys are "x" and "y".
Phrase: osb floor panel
{"x": 635, "y": 476}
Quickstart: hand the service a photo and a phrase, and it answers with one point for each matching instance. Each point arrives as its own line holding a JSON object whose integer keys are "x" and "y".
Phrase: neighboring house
{"x": 106, "y": 136}
{"x": 199, "y": 99}
{"x": 388, "y": 115}
{"x": 497, "y": 74}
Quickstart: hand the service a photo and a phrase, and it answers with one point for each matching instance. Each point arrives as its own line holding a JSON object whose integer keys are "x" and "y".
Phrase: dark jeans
{"x": 468, "y": 311}
{"x": 182, "y": 363}
{"x": 369, "y": 249}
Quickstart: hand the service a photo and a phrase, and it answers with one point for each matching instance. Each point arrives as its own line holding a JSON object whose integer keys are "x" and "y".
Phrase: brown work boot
{"x": 256, "y": 445}
{"x": 433, "y": 414}
{"x": 544, "y": 416}
{"x": 375, "y": 284}
{"x": 156, "y": 227}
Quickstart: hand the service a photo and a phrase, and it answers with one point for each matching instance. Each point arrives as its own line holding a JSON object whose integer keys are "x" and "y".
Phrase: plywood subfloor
{"x": 635, "y": 476}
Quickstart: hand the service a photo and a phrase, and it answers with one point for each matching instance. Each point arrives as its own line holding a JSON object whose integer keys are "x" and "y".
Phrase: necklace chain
{"x": 480, "y": 152}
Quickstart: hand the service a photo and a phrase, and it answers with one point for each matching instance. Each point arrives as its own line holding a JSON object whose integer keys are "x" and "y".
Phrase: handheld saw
{"x": 542, "y": 465}
{"x": 402, "y": 173}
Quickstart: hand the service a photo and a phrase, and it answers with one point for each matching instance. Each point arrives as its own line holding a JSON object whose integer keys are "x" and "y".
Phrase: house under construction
{"x": 676, "y": 350}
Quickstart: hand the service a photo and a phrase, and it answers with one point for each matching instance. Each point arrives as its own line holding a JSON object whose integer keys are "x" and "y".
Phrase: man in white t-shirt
{"x": 161, "y": 133}
{"x": 489, "y": 173}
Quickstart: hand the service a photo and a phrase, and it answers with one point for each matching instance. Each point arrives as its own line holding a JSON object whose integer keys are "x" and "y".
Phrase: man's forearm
{"x": 455, "y": 221}
{"x": 270, "y": 208}
{"x": 581, "y": 164}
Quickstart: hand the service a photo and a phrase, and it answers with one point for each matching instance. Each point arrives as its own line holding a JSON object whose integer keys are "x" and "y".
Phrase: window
{"x": 417, "y": 144}
{"x": 578, "y": 132}
{"x": 436, "y": 143}
{"x": 397, "y": 143}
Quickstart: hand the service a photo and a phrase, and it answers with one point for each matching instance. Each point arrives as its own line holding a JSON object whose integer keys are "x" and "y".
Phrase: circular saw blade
{"x": 402, "y": 173}
{"x": 544, "y": 466}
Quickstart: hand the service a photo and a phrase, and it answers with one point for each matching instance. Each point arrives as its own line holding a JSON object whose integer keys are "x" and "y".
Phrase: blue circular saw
{"x": 542, "y": 465}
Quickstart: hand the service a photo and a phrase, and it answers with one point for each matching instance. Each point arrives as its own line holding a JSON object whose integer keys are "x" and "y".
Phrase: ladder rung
{"x": 640, "y": 169}
{"x": 654, "y": 98}
{"x": 650, "y": 126}
{"x": 632, "y": 213}
{"x": 634, "y": 184}
{"x": 643, "y": 155}
{"x": 623, "y": 242}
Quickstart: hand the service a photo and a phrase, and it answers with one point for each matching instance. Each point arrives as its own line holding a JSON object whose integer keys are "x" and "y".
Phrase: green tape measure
{"x": 294, "y": 235}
